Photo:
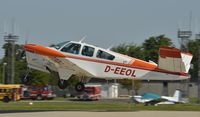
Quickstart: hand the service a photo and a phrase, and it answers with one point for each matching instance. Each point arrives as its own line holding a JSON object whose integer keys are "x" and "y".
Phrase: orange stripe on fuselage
{"x": 143, "y": 65}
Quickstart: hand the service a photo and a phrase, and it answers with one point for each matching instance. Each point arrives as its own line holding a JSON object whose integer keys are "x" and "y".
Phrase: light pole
{"x": 3, "y": 74}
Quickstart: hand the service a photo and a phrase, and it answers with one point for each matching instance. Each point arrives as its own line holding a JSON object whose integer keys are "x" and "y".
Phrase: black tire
{"x": 6, "y": 99}
{"x": 79, "y": 87}
{"x": 62, "y": 84}
{"x": 39, "y": 97}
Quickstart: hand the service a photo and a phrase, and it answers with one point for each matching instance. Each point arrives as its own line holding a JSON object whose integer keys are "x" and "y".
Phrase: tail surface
{"x": 177, "y": 95}
{"x": 172, "y": 59}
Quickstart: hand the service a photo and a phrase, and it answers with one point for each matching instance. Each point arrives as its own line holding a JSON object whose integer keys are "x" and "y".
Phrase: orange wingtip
{"x": 38, "y": 49}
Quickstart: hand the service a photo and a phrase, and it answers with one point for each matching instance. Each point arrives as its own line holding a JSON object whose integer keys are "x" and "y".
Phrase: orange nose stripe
{"x": 42, "y": 50}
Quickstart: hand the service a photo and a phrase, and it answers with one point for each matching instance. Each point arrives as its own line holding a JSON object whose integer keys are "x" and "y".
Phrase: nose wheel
{"x": 80, "y": 87}
{"x": 26, "y": 79}
{"x": 62, "y": 84}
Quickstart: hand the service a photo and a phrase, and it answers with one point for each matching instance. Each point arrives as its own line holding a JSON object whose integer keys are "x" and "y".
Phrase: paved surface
{"x": 104, "y": 114}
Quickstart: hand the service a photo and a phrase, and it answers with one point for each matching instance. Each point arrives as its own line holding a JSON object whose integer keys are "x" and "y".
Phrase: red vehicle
{"x": 91, "y": 92}
{"x": 37, "y": 92}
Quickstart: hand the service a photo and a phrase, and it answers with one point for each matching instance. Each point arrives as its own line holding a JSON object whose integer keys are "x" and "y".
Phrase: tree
{"x": 1, "y": 69}
{"x": 38, "y": 78}
{"x": 131, "y": 50}
{"x": 151, "y": 46}
{"x": 193, "y": 47}
{"x": 122, "y": 48}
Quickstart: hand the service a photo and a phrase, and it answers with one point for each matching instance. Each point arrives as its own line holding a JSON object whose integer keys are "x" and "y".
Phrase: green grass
{"x": 93, "y": 106}
{"x": 194, "y": 100}
{"x": 62, "y": 106}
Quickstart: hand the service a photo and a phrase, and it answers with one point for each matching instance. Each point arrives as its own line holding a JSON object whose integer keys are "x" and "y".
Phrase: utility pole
{"x": 199, "y": 75}
{"x": 3, "y": 73}
{"x": 185, "y": 36}
{"x": 10, "y": 39}
{"x": 10, "y": 71}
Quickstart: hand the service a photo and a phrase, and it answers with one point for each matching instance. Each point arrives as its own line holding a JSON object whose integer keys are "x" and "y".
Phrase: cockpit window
{"x": 87, "y": 51}
{"x": 71, "y": 48}
{"x": 59, "y": 45}
{"x": 104, "y": 55}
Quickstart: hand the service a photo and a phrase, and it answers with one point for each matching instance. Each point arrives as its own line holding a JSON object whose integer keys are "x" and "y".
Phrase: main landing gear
{"x": 62, "y": 84}
{"x": 26, "y": 79}
{"x": 79, "y": 87}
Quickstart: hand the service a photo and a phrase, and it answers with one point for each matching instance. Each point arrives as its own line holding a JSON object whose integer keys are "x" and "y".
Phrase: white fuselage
{"x": 120, "y": 67}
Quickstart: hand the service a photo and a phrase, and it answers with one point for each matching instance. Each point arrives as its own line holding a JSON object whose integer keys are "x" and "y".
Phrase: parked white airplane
{"x": 152, "y": 98}
{"x": 88, "y": 61}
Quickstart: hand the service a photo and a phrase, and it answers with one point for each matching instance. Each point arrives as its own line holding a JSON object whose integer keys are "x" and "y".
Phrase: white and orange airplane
{"x": 88, "y": 61}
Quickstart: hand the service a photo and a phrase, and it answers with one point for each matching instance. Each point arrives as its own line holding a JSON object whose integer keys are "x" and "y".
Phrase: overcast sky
{"x": 104, "y": 22}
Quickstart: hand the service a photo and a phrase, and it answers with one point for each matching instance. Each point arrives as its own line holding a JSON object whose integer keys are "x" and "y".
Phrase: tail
{"x": 177, "y": 96}
{"x": 172, "y": 59}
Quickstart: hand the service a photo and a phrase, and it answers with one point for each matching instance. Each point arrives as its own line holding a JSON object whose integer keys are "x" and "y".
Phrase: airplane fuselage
{"x": 91, "y": 61}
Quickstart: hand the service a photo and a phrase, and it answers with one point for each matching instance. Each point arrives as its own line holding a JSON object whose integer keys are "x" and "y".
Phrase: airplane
{"x": 88, "y": 61}
{"x": 155, "y": 99}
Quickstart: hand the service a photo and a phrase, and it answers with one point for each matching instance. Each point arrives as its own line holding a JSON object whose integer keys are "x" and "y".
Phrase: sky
{"x": 105, "y": 23}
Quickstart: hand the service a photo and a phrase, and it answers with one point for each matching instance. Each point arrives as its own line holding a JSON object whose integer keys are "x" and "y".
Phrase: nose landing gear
{"x": 62, "y": 84}
{"x": 26, "y": 79}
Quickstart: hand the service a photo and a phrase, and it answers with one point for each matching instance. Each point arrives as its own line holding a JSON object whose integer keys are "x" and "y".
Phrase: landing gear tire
{"x": 80, "y": 87}
{"x": 62, "y": 84}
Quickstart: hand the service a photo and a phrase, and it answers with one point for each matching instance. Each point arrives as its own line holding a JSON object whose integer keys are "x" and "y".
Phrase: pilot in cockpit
{"x": 75, "y": 49}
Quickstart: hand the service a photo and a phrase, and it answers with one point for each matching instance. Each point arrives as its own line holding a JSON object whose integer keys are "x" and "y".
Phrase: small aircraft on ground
{"x": 155, "y": 99}
{"x": 87, "y": 61}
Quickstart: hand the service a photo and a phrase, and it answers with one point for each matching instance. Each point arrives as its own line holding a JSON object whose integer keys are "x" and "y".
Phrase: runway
{"x": 104, "y": 114}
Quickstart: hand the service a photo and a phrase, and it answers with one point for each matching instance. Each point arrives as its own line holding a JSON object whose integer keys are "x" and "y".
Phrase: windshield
{"x": 59, "y": 45}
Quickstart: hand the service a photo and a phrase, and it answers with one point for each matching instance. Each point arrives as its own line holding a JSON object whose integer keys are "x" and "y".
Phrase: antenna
{"x": 197, "y": 33}
{"x": 179, "y": 25}
{"x": 13, "y": 26}
{"x": 82, "y": 39}
{"x": 5, "y": 30}
{"x": 179, "y": 28}
{"x": 190, "y": 21}
{"x": 110, "y": 47}
{"x": 196, "y": 30}
{"x": 27, "y": 36}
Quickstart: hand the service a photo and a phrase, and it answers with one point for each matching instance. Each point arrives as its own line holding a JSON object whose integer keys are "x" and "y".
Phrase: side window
{"x": 104, "y": 55}
{"x": 72, "y": 48}
{"x": 87, "y": 51}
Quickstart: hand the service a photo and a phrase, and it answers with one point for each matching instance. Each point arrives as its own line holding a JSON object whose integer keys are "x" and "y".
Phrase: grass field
{"x": 92, "y": 106}
{"x": 50, "y": 105}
